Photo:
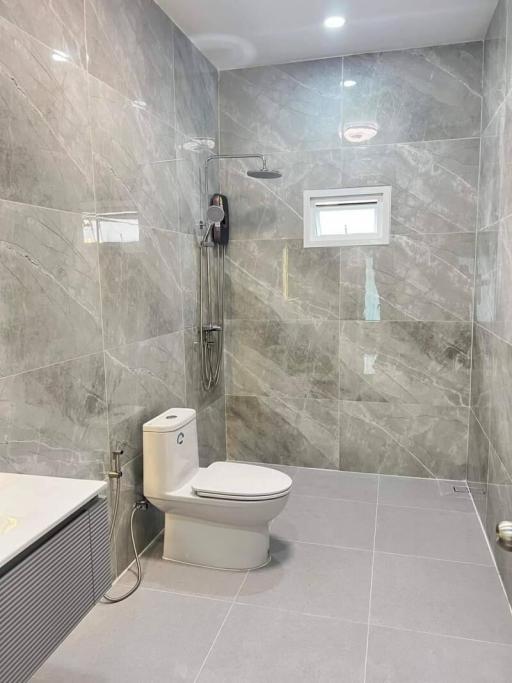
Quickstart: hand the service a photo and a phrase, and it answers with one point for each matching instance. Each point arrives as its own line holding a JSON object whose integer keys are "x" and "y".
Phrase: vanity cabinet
{"x": 50, "y": 587}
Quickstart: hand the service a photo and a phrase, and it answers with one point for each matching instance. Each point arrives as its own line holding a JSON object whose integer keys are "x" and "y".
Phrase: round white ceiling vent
{"x": 360, "y": 132}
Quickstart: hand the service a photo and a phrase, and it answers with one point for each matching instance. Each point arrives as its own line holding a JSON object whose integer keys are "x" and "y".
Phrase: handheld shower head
{"x": 215, "y": 213}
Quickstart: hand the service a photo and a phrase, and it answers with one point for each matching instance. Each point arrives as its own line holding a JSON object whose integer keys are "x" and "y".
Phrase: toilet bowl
{"x": 216, "y": 516}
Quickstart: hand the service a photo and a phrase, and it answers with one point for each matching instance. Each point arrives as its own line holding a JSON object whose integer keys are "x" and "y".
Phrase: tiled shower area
{"x": 378, "y": 377}
{"x": 354, "y": 358}
{"x": 397, "y": 359}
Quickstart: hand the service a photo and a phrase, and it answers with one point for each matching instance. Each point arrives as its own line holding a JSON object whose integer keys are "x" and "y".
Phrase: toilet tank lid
{"x": 170, "y": 421}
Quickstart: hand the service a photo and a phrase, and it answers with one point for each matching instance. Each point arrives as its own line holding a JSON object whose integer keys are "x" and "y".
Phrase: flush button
{"x": 171, "y": 417}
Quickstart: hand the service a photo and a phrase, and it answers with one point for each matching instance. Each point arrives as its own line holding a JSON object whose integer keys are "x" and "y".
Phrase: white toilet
{"x": 216, "y": 516}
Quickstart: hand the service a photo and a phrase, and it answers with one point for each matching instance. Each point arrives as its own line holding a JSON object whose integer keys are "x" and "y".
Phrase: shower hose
{"x": 137, "y": 506}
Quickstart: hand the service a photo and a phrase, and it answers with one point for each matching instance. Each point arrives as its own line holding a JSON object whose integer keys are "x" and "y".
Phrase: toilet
{"x": 216, "y": 516}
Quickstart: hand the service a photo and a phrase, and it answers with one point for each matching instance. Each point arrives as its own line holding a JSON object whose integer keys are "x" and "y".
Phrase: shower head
{"x": 264, "y": 173}
{"x": 215, "y": 214}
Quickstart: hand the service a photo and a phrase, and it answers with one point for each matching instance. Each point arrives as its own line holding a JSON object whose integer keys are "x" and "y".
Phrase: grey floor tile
{"x": 183, "y": 578}
{"x": 312, "y": 579}
{"x": 267, "y": 646}
{"x": 152, "y": 637}
{"x": 431, "y": 533}
{"x": 333, "y": 484}
{"x": 327, "y": 521}
{"x": 436, "y": 596}
{"x": 435, "y": 494}
{"x": 407, "y": 657}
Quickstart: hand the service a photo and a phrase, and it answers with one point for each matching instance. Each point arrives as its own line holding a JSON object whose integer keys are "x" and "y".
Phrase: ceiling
{"x": 238, "y": 33}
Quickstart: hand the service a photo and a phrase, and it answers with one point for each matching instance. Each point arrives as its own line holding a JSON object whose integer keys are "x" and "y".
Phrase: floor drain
{"x": 475, "y": 490}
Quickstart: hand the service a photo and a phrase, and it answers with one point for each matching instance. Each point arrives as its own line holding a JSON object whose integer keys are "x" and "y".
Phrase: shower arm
{"x": 219, "y": 157}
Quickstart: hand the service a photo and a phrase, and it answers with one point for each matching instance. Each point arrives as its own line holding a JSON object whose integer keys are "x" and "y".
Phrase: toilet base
{"x": 209, "y": 544}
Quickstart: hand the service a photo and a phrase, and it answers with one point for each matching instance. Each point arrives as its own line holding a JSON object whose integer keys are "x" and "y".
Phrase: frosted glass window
{"x": 347, "y": 217}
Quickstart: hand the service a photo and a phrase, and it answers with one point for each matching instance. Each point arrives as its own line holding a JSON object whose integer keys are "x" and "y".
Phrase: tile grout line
{"x": 371, "y": 583}
{"x": 107, "y": 350}
{"x": 349, "y": 548}
{"x": 52, "y": 365}
{"x": 475, "y": 259}
{"x": 84, "y": 213}
{"x": 92, "y": 143}
{"x": 351, "y": 473}
{"x": 331, "y": 498}
{"x": 436, "y": 634}
{"x": 185, "y": 594}
{"x": 314, "y": 615}
{"x": 394, "y": 505}
{"x": 210, "y": 650}
{"x": 341, "y": 323}
{"x": 368, "y": 323}
{"x": 179, "y": 200}
{"x": 434, "y": 559}
{"x": 427, "y": 509}
{"x": 290, "y": 151}
{"x": 224, "y": 355}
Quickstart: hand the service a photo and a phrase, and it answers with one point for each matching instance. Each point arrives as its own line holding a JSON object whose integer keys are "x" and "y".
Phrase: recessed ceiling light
{"x": 334, "y": 22}
{"x": 349, "y": 84}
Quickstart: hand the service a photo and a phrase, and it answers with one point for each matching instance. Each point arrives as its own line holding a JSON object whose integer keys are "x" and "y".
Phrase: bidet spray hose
{"x": 115, "y": 475}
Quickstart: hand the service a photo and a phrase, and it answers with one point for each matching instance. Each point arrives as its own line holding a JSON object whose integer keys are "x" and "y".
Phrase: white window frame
{"x": 380, "y": 195}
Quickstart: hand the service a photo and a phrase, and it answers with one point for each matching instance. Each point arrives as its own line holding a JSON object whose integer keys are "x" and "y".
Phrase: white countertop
{"x": 30, "y": 506}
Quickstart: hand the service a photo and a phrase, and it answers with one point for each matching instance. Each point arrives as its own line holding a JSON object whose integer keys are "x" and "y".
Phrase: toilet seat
{"x": 236, "y": 481}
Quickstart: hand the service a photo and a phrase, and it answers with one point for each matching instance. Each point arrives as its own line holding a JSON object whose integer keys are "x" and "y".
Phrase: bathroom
{"x": 255, "y": 341}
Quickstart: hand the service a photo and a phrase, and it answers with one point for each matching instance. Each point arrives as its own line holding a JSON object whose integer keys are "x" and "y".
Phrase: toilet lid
{"x": 236, "y": 481}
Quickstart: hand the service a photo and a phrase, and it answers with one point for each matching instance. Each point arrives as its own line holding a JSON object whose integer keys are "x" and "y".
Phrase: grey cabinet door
{"x": 46, "y": 594}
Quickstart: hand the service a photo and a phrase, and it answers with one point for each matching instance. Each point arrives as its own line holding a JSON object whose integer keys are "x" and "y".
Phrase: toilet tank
{"x": 169, "y": 451}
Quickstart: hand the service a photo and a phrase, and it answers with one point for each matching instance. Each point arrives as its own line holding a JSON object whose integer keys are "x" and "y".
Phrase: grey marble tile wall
{"x": 354, "y": 358}
{"x": 489, "y": 454}
{"x": 99, "y": 202}
{"x": 489, "y": 457}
